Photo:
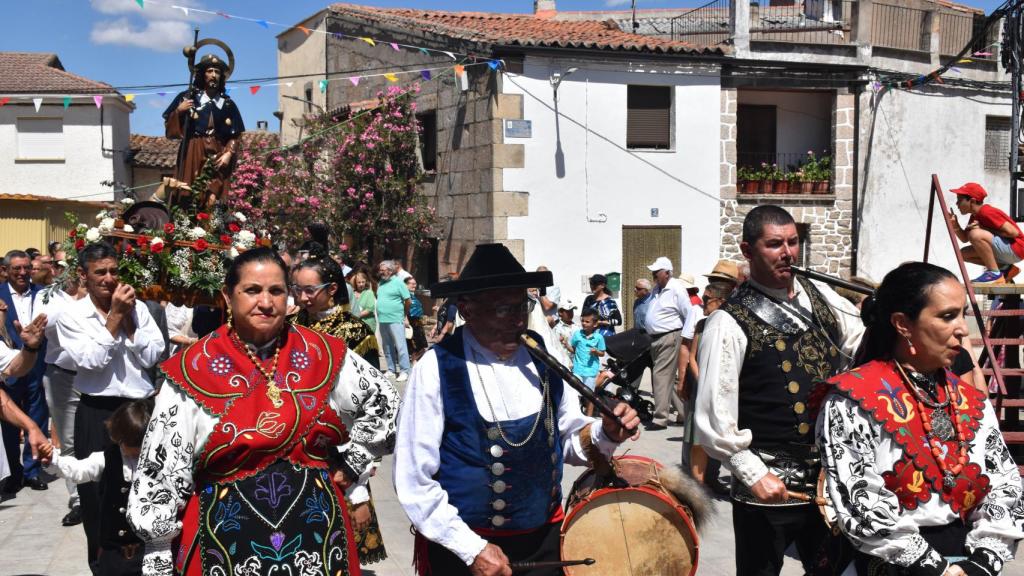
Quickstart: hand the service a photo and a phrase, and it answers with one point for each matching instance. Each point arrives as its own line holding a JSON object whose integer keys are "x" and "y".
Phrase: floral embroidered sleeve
{"x": 368, "y": 405}
{"x": 867, "y": 512}
{"x": 163, "y": 480}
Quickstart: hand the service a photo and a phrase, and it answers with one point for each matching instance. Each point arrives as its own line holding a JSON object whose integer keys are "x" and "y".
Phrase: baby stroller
{"x": 627, "y": 351}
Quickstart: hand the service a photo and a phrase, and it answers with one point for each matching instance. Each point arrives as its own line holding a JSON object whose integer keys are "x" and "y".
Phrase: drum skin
{"x": 640, "y": 530}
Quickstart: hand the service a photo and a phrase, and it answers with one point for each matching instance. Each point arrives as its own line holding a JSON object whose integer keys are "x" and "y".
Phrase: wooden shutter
{"x": 649, "y": 117}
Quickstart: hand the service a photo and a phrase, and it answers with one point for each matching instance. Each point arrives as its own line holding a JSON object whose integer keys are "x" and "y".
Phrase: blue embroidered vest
{"x": 493, "y": 485}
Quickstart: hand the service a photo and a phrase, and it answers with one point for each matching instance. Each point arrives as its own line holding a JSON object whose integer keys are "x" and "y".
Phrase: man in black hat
{"x": 208, "y": 124}
{"x": 484, "y": 432}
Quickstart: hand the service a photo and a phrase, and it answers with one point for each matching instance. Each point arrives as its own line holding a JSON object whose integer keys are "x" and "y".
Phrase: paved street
{"x": 32, "y": 541}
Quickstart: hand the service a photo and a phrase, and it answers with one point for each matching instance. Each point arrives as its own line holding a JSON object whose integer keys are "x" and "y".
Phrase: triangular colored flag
{"x": 323, "y": 86}
{"x": 224, "y": 14}
{"x": 161, "y": 94}
{"x": 254, "y": 88}
{"x": 982, "y": 54}
{"x": 140, "y": 3}
{"x": 425, "y": 74}
{"x": 425, "y": 51}
{"x": 955, "y": 69}
{"x": 354, "y": 80}
{"x": 391, "y": 77}
{"x": 450, "y": 55}
{"x": 395, "y": 46}
{"x": 459, "y": 69}
{"x": 494, "y": 64}
{"x": 338, "y": 35}
{"x": 37, "y": 102}
{"x": 288, "y": 84}
{"x": 964, "y": 61}
{"x": 129, "y": 97}
{"x": 4, "y": 101}
{"x": 263, "y": 23}
{"x": 305, "y": 30}
{"x": 98, "y": 100}
{"x": 67, "y": 102}
{"x": 368, "y": 41}
{"x": 227, "y": 90}
{"x": 183, "y": 9}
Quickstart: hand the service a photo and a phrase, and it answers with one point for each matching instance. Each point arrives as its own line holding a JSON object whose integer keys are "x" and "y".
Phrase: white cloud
{"x": 159, "y": 35}
{"x": 159, "y": 27}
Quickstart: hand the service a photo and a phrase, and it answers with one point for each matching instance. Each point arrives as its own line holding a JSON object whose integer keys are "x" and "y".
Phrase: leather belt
{"x": 657, "y": 336}
{"x": 797, "y": 466}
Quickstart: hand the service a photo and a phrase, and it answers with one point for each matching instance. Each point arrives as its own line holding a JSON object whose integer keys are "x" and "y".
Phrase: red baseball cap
{"x": 972, "y": 190}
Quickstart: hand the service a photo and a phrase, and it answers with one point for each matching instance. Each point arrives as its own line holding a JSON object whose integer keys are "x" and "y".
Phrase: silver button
{"x": 121, "y": 510}
{"x": 554, "y": 475}
{"x": 497, "y": 451}
{"x": 554, "y": 459}
{"x": 498, "y": 520}
{"x": 498, "y": 504}
{"x": 551, "y": 440}
{"x": 492, "y": 433}
{"x": 497, "y": 468}
{"x": 124, "y": 490}
{"x": 499, "y": 486}
{"x": 120, "y": 532}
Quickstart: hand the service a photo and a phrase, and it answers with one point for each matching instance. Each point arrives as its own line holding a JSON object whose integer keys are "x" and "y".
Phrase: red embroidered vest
{"x": 880, "y": 391}
{"x": 252, "y": 433}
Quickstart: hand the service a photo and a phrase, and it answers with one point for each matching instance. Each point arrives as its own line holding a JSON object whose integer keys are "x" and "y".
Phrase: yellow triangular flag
{"x": 129, "y": 97}
{"x": 368, "y": 41}
{"x": 391, "y": 77}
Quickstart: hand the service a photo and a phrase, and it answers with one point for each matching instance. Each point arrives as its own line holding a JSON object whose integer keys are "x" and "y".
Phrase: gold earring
{"x": 230, "y": 324}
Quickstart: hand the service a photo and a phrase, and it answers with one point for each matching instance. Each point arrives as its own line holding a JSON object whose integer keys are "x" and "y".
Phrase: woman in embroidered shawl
{"x": 319, "y": 288}
{"x": 916, "y": 469}
{"x": 239, "y": 471}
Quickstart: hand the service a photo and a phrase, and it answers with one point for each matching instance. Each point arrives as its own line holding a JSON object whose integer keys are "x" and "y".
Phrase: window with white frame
{"x": 40, "y": 138}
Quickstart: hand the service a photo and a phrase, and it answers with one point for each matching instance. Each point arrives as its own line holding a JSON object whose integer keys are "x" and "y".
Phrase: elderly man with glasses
{"x": 477, "y": 473}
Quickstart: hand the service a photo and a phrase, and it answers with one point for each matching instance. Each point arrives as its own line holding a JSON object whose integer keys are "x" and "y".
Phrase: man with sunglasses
{"x": 485, "y": 430}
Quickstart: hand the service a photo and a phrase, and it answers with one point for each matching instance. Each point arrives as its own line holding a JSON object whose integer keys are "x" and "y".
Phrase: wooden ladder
{"x": 1002, "y": 326}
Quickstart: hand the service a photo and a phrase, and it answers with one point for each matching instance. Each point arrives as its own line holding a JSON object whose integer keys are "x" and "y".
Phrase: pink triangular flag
{"x": 254, "y": 88}
{"x": 354, "y": 80}
{"x": 395, "y": 46}
{"x": 37, "y": 102}
{"x": 98, "y": 100}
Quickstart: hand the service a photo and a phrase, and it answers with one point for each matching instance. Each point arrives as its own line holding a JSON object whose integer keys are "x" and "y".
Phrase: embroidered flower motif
{"x": 221, "y": 365}
{"x": 300, "y": 360}
{"x": 268, "y": 425}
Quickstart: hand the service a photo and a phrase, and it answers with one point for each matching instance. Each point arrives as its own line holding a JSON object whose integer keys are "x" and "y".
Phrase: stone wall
{"x": 828, "y": 217}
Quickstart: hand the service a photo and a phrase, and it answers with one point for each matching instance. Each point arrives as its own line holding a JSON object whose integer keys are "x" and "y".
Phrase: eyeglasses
{"x": 506, "y": 310}
{"x": 309, "y": 290}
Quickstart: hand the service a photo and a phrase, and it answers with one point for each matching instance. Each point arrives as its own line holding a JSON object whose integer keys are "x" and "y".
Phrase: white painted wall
{"x": 940, "y": 131}
{"x": 85, "y": 163}
{"x": 604, "y": 179}
{"x": 803, "y": 120}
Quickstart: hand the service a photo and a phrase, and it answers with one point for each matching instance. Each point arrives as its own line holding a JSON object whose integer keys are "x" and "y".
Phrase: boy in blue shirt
{"x": 587, "y": 347}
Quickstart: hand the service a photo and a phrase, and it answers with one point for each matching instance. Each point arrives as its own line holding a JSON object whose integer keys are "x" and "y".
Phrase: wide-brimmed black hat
{"x": 491, "y": 267}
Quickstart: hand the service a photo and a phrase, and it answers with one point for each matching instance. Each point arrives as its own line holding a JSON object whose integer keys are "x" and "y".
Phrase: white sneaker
{"x": 389, "y": 374}
{"x": 402, "y": 377}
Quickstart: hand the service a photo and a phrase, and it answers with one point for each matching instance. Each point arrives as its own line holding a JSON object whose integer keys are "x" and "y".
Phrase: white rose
{"x": 240, "y": 217}
{"x": 82, "y": 227}
{"x": 156, "y": 242}
{"x": 197, "y": 233}
{"x": 128, "y": 228}
{"x": 127, "y": 201}
{"x": 233, "y": 252}
{"x": 102, "y": 214}
{"x": 107, "y": 224}
{"x": 93, "y": 235}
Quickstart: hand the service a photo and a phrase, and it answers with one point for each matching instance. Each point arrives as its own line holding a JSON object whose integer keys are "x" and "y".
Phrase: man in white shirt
{"x": 13, "y": 363}
{"x": 476, "y": 470}
{"x": 760, "y": 356}
{"x": 670, "y": 320}
{"x": 113, "y": 341}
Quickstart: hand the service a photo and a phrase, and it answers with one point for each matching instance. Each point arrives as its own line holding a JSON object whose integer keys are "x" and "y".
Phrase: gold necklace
{"x": 273, "y": 392}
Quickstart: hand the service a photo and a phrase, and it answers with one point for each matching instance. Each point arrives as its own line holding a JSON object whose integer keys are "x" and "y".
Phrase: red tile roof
{"x": 519, "y": 30}
{"x": 160, "y": 152}
{"x": 50, "y": 199}
{"x": 42, "y": 73}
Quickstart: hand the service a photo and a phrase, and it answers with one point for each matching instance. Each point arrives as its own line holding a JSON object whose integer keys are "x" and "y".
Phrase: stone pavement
{"x": 32, "y": 541}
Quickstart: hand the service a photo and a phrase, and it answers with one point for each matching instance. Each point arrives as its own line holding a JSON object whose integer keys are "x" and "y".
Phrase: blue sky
{"x": 117, "y": 42}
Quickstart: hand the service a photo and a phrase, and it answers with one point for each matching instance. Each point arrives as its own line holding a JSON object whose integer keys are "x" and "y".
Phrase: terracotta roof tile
{"x": 520, "y": 30}
{"x": 42, "y": 73}
{"x": 49, "y": 199}
{"x": 160, "y": 152}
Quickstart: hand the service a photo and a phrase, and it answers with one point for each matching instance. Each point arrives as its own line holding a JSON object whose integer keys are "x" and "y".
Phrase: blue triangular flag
{"x": 425, "y": 51}
{"x": 494, "y": 64}
{"x": 425, "y": 74}
{"x": 263, "y": 23}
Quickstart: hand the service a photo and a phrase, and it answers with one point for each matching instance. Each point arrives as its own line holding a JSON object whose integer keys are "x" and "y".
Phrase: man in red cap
{"x": 995, "y": 239}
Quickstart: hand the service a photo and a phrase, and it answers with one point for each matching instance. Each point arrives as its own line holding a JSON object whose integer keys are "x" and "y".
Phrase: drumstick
{"x": 818, "y": 500}
{"x": 524, "y": 566}
{"x": 570, "y": 379}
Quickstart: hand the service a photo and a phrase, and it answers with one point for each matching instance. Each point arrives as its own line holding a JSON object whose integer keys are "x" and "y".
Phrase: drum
{"x": 638, "y": 530}
{"x": 828, "y": 513}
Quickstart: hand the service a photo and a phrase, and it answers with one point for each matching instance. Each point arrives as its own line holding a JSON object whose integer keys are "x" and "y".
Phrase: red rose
{"x": 79, "y": 244}
{"x": 128, "y": 249}
{"x": 169, "y": 228}
{"x": 234, "y": 227}
{"x": 157, "y": 248}
{"x": 202, "y": 216}
{"x": 73, "y": 233}
{"x": 225, "y": 239}
{"x": 201, "y": 245}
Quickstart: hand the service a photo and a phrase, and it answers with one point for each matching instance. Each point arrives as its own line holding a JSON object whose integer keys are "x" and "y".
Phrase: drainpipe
{"x": 854, "y": 204}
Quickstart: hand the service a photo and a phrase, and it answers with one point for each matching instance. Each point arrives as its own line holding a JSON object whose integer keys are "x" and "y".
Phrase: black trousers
{"x": 764, "y": 532}
{"x": 91, "y": 436}
{"x": 117, "y": 561}
{"x": 540, "y": 545}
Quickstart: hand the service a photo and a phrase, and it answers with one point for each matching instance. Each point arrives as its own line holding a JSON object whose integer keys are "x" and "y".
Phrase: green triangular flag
{"x": 140, "y": 3}
{"x": 323, "y": 86}
{"x": 67, "y": 102}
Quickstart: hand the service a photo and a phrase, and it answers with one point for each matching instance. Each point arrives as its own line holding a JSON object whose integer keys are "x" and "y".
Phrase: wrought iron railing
{"x": 705, "y": 25}
{"x": 802, "y": 21}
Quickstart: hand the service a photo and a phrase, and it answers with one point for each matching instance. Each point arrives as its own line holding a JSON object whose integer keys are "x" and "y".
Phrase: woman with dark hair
{"x": 600, "y": 299}
{"x": 241, "y": 468}
{"x": 916, "y": 469}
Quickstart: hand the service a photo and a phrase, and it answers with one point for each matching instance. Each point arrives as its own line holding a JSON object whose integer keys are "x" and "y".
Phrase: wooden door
{"x": 641, "y": 245}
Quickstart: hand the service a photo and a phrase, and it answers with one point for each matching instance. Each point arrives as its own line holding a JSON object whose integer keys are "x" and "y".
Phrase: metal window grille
{"x": 649, "y": 117}
{"x": 997, "y": 142}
